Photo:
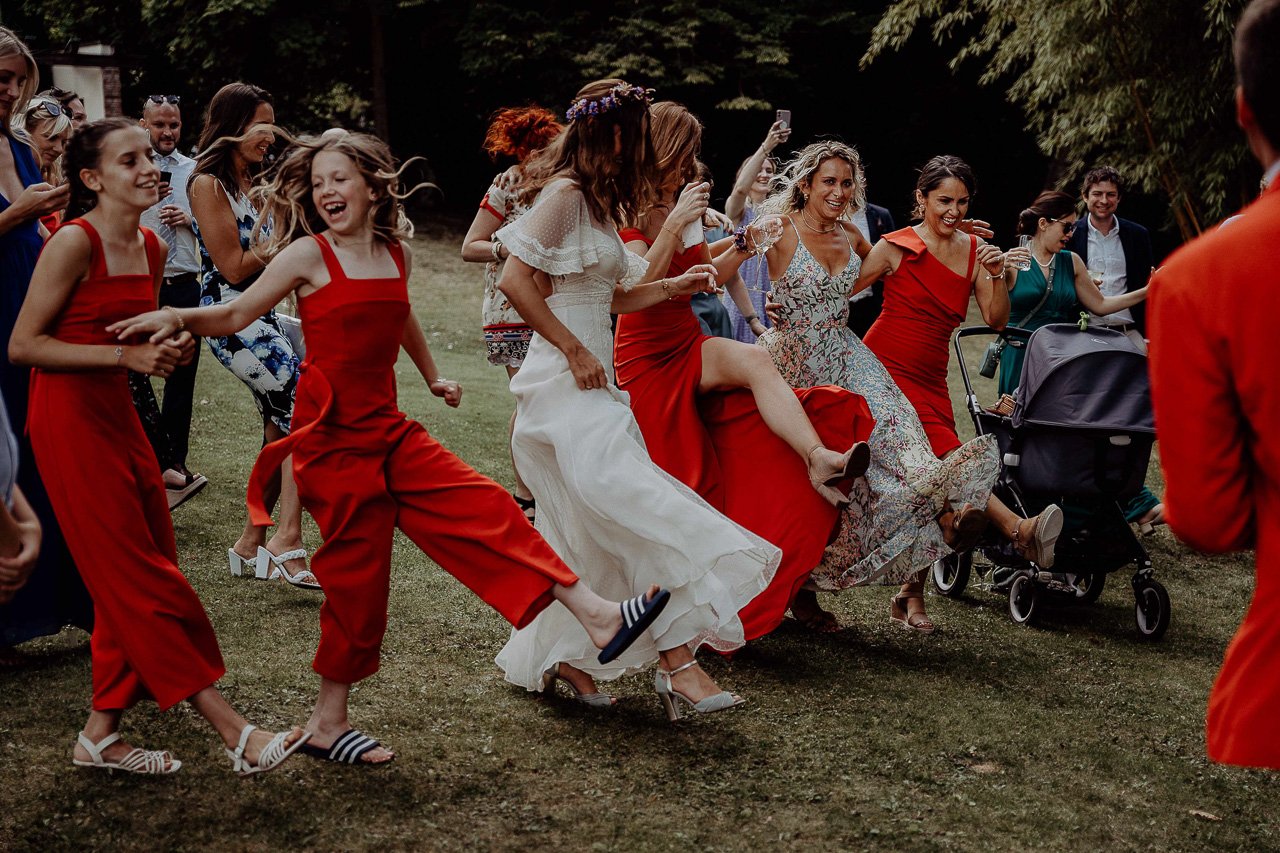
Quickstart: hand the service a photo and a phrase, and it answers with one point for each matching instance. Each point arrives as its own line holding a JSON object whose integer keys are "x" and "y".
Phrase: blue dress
{"x": 54, "y": 596}
{"x": 755, "y": 275}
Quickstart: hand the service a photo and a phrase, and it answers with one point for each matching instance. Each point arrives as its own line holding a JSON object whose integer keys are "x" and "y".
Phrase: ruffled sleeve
{"x": 636, "y": 268}
{"x": 556, "y": 234}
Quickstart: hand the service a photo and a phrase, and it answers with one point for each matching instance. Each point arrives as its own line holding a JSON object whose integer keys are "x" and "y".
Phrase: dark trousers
{"x": 169, "y": 428}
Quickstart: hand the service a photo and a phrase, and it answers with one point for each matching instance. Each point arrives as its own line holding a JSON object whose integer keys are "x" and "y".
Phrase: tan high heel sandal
{"x": 856, "y": 462}
{"x": 900, "y": 613}
{"x": 1038, "y": 543}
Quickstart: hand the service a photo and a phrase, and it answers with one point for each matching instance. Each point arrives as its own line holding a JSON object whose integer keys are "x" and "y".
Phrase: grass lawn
{"x": 1066, "y": 736}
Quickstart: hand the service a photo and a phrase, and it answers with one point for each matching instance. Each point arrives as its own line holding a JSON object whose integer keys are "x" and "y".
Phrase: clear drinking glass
{"x": 1024, "y": 242}
{"x": 1096, "y": 275}
{"x": 768, "y": 231}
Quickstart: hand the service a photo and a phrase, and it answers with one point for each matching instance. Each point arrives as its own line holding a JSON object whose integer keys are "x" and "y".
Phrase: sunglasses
{"x": 1067, "y": 227}
{"x": 52, "y": 108}
{"x": 165, "y": 99}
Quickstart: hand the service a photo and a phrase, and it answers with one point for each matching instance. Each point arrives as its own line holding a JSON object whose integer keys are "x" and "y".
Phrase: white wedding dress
{"x": 615, "y": 518}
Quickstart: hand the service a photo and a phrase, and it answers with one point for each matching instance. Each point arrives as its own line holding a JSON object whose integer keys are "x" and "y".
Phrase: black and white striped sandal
{"x": 637, "y": 615}
{"x": 347, "y": 748}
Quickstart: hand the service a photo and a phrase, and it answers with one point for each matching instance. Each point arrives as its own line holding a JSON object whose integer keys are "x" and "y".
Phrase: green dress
{"x": 1062, "y": 306}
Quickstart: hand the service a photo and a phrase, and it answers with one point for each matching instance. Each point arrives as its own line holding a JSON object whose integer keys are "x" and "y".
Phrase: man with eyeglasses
{"x": 1118, "y": 248}
{"x": 170, "y": 218}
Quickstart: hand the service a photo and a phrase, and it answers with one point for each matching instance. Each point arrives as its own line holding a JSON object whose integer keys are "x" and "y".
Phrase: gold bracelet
{"x": 182, "y": 324}
{"x": 675, "y": 234}
{"x": 666, "y": 288}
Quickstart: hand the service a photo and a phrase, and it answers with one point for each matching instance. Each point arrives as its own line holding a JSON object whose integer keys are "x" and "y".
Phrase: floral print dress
{"x": 506, "y": 334}
{"x": 259, "y": 355}
{"x": 890, "y": 532}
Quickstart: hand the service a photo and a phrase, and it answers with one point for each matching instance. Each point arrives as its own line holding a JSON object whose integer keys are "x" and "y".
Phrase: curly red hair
{"x": 517, "y": 132}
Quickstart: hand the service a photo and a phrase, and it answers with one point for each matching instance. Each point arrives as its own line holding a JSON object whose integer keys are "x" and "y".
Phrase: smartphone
{"x": 166, "y": 177}
{"x": 784, "y": 116}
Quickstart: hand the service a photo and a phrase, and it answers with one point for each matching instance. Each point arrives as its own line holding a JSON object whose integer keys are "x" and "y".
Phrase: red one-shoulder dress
{"x": 719, "y": 445}
{"x": 363, "y": 468}
{"x": 924, "y": 301}
{"x": 151, "y": 636}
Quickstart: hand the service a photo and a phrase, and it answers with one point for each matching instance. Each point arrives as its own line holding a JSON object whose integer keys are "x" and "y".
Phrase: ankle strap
{"x": 679, "y": 669}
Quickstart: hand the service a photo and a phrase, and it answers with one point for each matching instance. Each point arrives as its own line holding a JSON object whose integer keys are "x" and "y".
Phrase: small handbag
{"x": 991, "y": 358}
{"x": 291, "y": 328}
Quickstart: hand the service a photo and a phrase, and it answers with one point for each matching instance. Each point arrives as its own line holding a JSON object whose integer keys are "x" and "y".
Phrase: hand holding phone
{"x": 166, "y": 178}
{"x": 784, "y": 118}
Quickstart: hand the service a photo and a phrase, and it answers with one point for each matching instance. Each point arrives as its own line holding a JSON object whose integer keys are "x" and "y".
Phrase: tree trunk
{"x": 377, "y": 61}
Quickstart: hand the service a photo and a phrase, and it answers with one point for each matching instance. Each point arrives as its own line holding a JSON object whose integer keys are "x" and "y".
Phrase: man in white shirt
{"x": 169, "y": 428}
{"x": 1117, "y": 248}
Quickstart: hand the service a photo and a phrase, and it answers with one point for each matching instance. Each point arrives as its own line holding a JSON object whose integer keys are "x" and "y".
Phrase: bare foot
{"x": 807, "y": 611}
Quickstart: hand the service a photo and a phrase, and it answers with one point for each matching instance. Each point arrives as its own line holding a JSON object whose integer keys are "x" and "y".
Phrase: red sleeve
{"x": 630, "y": 235}
{"x": 1201, "y": 425}
{"x": 485, "y": 205}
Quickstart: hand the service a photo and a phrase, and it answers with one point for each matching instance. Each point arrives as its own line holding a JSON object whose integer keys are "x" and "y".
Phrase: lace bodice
{"x": 812, "y": 297}
{"x": 584, "y": 259}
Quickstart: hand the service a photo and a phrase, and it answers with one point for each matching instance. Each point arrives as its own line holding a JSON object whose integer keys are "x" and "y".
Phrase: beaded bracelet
{"x": 740, "y": 239}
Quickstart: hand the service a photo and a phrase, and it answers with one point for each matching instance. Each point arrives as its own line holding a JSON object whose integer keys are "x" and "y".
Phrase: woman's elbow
{"x": 19, "y": 351}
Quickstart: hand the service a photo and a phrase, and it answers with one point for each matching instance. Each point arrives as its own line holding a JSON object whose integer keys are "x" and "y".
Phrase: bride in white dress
{"x": 613, "y": 516}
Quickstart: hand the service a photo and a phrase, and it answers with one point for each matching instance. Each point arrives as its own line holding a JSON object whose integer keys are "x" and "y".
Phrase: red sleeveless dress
{"x": 151, "y": 636}
{"x": 924, "y": 302}
{"x": 719, "y": 445}
{"x": 363, "y": 468}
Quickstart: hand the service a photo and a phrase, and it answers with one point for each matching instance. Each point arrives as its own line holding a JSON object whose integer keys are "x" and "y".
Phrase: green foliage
{"x": 1145, "y": 85}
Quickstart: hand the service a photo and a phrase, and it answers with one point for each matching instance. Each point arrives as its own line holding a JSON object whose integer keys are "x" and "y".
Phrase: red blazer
{"x": 1212, "y": 314}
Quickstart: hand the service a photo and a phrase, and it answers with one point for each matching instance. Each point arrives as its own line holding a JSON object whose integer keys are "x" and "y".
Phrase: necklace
{"x": 1044, "y": 266}
{"x": 805, "y": 220}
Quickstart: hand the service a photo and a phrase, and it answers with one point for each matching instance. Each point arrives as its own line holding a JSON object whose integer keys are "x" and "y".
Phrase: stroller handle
{"x": 1008, "y": 332}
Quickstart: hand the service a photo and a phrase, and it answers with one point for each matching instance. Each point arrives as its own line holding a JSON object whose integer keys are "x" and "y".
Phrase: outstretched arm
{"x": 1091, "y": 297}
{"x": 737, "y": 201}
{"x": 414, "y": 342}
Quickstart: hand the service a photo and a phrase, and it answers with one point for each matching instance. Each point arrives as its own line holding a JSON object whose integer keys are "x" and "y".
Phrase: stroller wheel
{"x": 1151, "y": 609}
{"x": 951, "y": 573}
{"x": 1088, "y": 588}
{"x": 1023, "y": 595}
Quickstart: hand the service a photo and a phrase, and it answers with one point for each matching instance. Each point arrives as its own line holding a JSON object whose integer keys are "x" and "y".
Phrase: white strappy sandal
{"x": 148, "y": 762}
{"x": 303, "y": 579}
{"x": 272, "y": 755}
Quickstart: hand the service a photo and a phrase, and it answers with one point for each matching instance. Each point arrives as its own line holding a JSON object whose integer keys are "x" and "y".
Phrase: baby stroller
{"x": 1080, "y": 435}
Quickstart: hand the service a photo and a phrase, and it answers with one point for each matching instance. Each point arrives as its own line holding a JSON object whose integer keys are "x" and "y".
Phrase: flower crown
{"x": 617, "y": 96}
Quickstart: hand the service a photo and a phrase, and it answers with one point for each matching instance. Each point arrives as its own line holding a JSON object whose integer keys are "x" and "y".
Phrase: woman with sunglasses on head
{"x": 54, "y": 595}
{"x": 233, "y": 147}
{"x": 47, "y": 127}
{"x": 1049, "y": 222}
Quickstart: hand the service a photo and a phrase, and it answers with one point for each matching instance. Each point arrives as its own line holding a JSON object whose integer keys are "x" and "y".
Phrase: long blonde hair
{"x": 27, "y": 126}
{"x": 286, "y": 202}
{"x": 11, "y": 45}
{"x": 585, "y": 152}
{"x": 788, "y": 193}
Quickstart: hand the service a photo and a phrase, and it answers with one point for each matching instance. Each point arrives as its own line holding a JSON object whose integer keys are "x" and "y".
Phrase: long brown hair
{"x": 84, "y": 151}
{"x": 229, "y": 116}
{"x": 615, "y": 192}
{"x": 286, "y": 199}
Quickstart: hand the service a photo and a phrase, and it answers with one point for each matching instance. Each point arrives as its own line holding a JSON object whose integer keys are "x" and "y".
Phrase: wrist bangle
{"x": 993, "y": 276}
{"x": 751, "y": 318}
{"x": 119, "y": 353}
{"x": 670, "y": 231}
{"x": 177, "y": 315}
{"x": 495, "y": 248}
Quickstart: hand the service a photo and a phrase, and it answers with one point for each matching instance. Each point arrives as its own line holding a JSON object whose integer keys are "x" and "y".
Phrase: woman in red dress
{"x": 716, "y": 414}
{"x": 151, "y": 639}
{"x": 929, "y": 271}
{"x": 362, "y": 467}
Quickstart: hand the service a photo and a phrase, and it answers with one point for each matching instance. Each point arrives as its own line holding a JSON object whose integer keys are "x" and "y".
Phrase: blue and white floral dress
{"x": 259, "y": 355}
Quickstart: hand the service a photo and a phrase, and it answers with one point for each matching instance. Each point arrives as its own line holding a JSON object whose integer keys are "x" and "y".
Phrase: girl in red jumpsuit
{"x": 152, "y": 639}
{"x": 362, "y": 467}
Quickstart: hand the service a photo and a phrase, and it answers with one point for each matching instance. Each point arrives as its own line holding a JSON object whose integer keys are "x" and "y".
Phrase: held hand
{"x": 186, "y": 343}
{"x": 158, "y": 325}
{"x": 1017, "y": 257}
{"x": 777, "y": 134}
{"x": 976, "y": 227}
{"x": 448, "y": 390}
{"x": 697, "y": 279}
{"x": 163, "y": 189}
{"x": 716, "y": 219}
{"x": 991, "y": 258}
{"x": 151, "y": 359}
{"x": 765, "y": 230}
{"x": 587, "y": 370}
{"x": 42, "y": 199}
{"x": 690, "y": 206}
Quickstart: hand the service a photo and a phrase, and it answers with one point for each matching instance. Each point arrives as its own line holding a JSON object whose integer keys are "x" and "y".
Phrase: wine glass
{"x": 1024, "y": 242}
{"x": 767, "y": 231}
{"x": 1096, "y": 275}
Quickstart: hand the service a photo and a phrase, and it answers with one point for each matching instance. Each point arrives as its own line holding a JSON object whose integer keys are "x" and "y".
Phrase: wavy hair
{"x": 84, "y": 151}
{"x": 788, "y": 193}
{"x": 615, "y": 192}
{"x": 226, "y": 123}
{"x": 518, "y": 132}
{"x": 677, "y": 140}
{"x": 11, "y": 45}
{"x": 937, "y": 170}
{"x": 1050, "y": 204}
{"x": 286, "y": 200}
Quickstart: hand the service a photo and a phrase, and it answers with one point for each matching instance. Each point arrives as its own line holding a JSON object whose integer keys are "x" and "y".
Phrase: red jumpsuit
{"x": 924, "y": 301}
{"x": 719, "y": 445}
{"x": 152, "y": 638}
{"x": 363, "y": 469}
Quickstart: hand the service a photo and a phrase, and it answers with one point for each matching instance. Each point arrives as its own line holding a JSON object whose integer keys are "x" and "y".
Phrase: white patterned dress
{"x": 898, "y": 534}
{"x": 615, "y": 517}
{"x": 506, "y": 335}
